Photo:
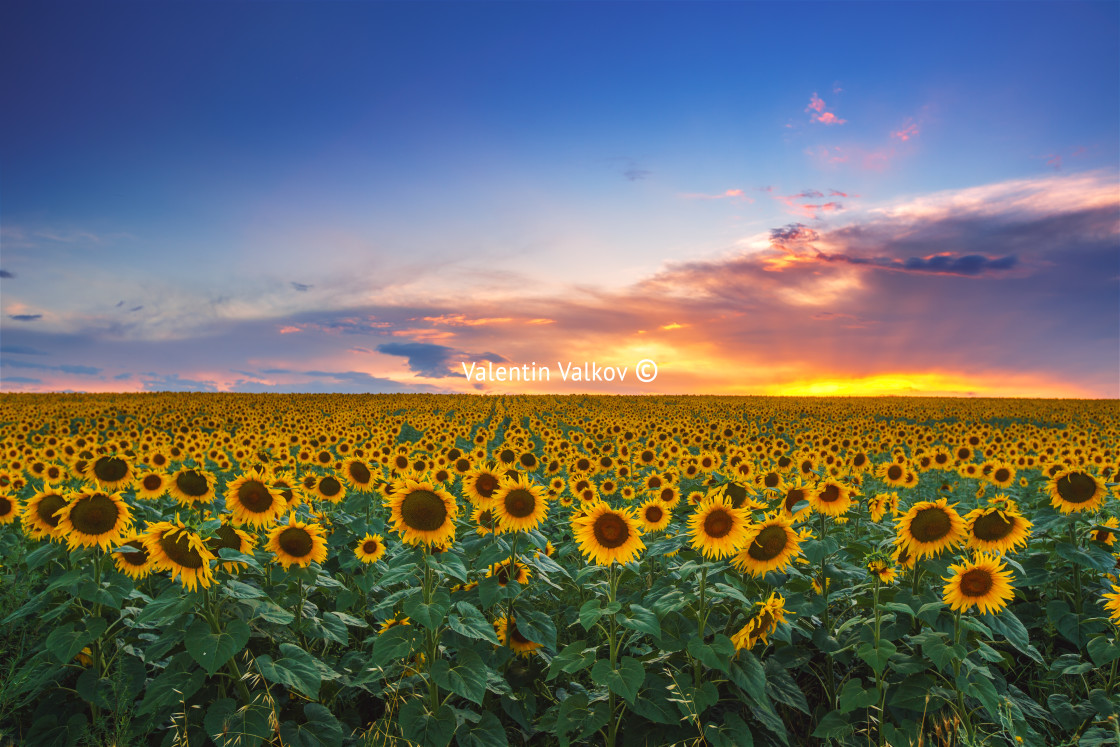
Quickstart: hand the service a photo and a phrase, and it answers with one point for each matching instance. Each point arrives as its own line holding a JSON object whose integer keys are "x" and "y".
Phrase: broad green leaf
{"x": 537, "y": 627}
{"x": 573, "y": 658}
{"x": 467, "y": 678}
{"x": 877, "y": 657}
{"x": 624, "y": 681}
{"x": 470, "y": 622}
{"x": 1103, "y": 650}
{"x": 590, "y": 613}
{"x": 853, "y": 696}
{"x": 835, "y": 724}
{"x": 397, "y": 643}
{"x": 212, "y": 650}
{"x": 643, "y": 620}
{"x": 232, "y": 725}
{"x": 488, "y": 732}
{"x": 431, "y": 616}
{"x": 1008, "y": 625}
{"x": 295, "y": 669}
{"x": 321, "y": 729}
{"x": 424, "y": 727}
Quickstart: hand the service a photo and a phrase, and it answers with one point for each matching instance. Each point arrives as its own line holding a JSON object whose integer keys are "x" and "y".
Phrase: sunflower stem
{"x": 879, "y": 674}
{"x": 830, "y": 683}
{"x": 511, "y": 577}
{"x": 299, "y": 616}
{"x": 432, "y": 635}
{"x": 1076, "y": 574}
{"x": 612, "y": 732}
{"x": 701, "y": 623}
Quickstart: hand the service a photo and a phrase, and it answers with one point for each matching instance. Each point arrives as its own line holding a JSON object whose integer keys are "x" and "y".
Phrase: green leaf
{"x": 624, "y": 681}
{"x": 235, "y": 589}
{"x": 231, "y": 725}
{"x": 295, "y": 669}
{"x": 269, "y": 611}
{"x": 212, "y": 650}
{"x": 537, "y": 627}
{"x": 573, "y": 658}
{"x": 94, "y": 690}
{"x": 1010, "y": 627}
{"x": 179, "y": 681}
{"x": 488, "y": 732}
{"x": 167, "y": 608}
{"x": 716, "y": 655}
{"x": 877, "y": 657}
{"x": 590, "y": 613}
{"x": 320, "y": 730}
{"x": 782, "y": 688}
{"x": 448, "y": 564}
{"x": 49, "y": 731}
{"x": 471, "y": 623}
{"x": 231, "y": 555}
{"x": 424, "y": 727}
{"x": 898, "y": 607}
{"x": 853, "y": 696}
{"x": 328, "y": 627}
{"x": 467, "y": 678}
{"x": 397, "y": 643}
{"x": 748, "y": 674}
{"x": 1103, "y": 650}
{"x": 1070, "y": 664}
{"x": 642, "y": 620}
{"x": 66, "y": 643}
{"x": 834, "y": 725}
{"x": 431, "y": 616}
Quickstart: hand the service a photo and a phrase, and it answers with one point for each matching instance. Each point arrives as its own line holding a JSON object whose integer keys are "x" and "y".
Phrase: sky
{"x": 842, "y": 198}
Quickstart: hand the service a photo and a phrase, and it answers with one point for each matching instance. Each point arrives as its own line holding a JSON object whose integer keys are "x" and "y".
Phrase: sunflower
{"x": 1105, "y": 533}
{"x": 191, "y": 486}
{"x": 298, "y": 543}
{"x": 998, "y": 528}
{"x": 831, "y": 499}
{"x": 762, "y": 623}
{"x": 503, "y": 573}
{"x": 329, "y": 488}
{"x": 422, "y": 512}
{"x": 519, "y": 504}
{"x": 654, "y": 515}
{"x": 795, "y": 493}
{"x": 903, "y": 558}
{"x": 174, "y": 548}
{"x": 371, "y": 548}
{"x": 94, "y": 518}
{"x": 881, "y": 567}
{"x": 486, "y": 520}
{"x": 770, "y": 546}
{"x": 151, "y": 484}
{"x": 393, "y": 622}
{"x": 882, "y": 504}
{"x": 892, "y": 473}
{"x": 606, "y": 535}
{"x": 253, "y": 502}
{"x": 9, "y": 509}
{"x": 930, "y": 527}
{"x": 718, "y": 530}
{"x": 509, "y": 635}
{"x": 134, "y": 561}
{"x": 228, "y": 536}
{"x": 1002, "y": 474}
{"x": 984, "y": 583}
{"x": 1074, "y": 490}
{"x": 109, "y": 472}
{"x": 1112, "y": 604}
{"x": 480, "y": 484}
{"x": 40, "y": 514}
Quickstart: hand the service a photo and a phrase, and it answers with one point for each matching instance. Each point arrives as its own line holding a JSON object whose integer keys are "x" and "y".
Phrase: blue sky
{"x": 198, "y": 171}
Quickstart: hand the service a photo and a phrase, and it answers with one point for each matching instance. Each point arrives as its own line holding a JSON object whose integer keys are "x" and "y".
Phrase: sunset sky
{"x": 763, "y": 198}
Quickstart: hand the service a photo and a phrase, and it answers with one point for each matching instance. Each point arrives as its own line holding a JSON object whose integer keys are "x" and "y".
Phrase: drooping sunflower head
{"x": 881, "y": 504}
{"x": 94, "y": 519}
{"x": 504, "y": 572}
{"x": 718, "y": 530}
{"x": 930, "y": 527}
{"x": 253, "y": 501}
{"x": 40, "y": 514}
{"x": 131, "y": 558}
{"x": 1105, "y": 532}
{"x": 487, "y": 520}
{"x": 1076, "y": 490}
{"x": 881, "y": 566}
{"x": 1112, "y": 604}
{"x": 763, "y": 623}
{"x": 796, "y": 499}
{"x": 174, "y": 548}
{"x": 997, "y": 529}
{"x": 519, "y": 505}
{"x": 371, "y": 548}
{"x": 9, "y": 508}
{"x": 230, "y": 537}
{"x": 192, "y": 486}
{"x": 110, "y": 472}
{"x": 298, "y": 543}
{"x": 606, "y": 535}
{"x": 984, "y": 583}
{"x": 771, "y": 545}
{"x": 509, "y": 635}
{"x": 654, "y": 515}
{"x": 423, "y": 513}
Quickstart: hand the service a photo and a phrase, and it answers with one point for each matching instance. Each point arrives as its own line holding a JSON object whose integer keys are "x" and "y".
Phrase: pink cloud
{"x": 289, "y": 329}
{"x": 817, "y": 106}
{"x": 727, "y": 194}
{"x": 908, "y": 131}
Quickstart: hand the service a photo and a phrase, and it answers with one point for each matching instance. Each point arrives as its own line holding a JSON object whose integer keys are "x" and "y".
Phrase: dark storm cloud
{"x": 21, "y": 350}
{"x": 301, "y": 286}
{"x": 6, "y": 274}
{"x": 25, "y": 317}
{"x": 21, "y": 380}
{"x": 82, "y": 370}
{"x": 425, "y": 359}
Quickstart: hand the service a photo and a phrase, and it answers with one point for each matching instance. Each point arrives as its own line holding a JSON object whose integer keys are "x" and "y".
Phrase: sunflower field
{"x": 327, "y": 570}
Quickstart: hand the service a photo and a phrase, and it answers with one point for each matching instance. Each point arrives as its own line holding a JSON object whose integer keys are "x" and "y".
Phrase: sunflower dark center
{"x": 47, "y": 507}
{"x": 486, "y": 519}
{"x": 179, "y": 549}
{"x": 255, "y": 496}
{"x": 654, "y": 514}
{"x": 110, "y": 469}
{"x": 138, "y": 558}
{"x": 859, "y": 460}
{"x": 329, "y": 486}
{"x": 528, "y": 460}
{"x": 930, "y": 524}
{"x": 520, "y": 503}
{"x": 325, "y": 457}
{"x": 793, "y": 497}
{"x": 831, "y": 493}
{"x": 894, "y": 472}
{"x": 1077, "y": 487}
{"x": 359, "y": 473}
{"x": 369, "y": 547}
{"x": 666, "y": 495}
{"x": 462, "y": 465}
{"x": 718, "y": 524}
{"x": 296, "y": 541}
{"x": 771, "y": 479}
{"x": 992, "y": 526}
{"x": 6, "y": 506}
{"x": 737, "y": 493}
{"x": 611, "y": 531}
{"x": 423, "y": 510}
{"x": 96, "y": 514}
{"x": 1001, "y": 475}
{"x": 485, "y": 485}
{"x": 769, "y": 544}
{"x": 226, "y": 536}
{"x": 192, "y": 484}
{"x": 152, "y": 482}
{"x": 516, "y": 635}
{"x": 963, "y": 454}
{"x": 976, "y": 582}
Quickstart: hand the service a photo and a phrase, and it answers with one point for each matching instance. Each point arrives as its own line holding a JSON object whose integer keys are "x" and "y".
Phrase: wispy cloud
{"x": 6, "y": 274}
{"x": 25, "y": 317}
{"x": 301, "y": 286}
{"x": 820, "y": 114}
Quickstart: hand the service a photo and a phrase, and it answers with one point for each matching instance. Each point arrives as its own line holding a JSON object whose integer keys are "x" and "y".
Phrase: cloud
{"x": 122, "y": 376}
{"x": 629, "y": 169}
{"x": 301, "y": 286}
{"x": 635, "y": 175}
{"x": 21, "y": 380}
{"x": 82, "y": 370}
{"x": 735, "y": 194}
{"x": 909, "y": 130}
{"x": 25, "y": 317}
{"x": 6, "y": 274}
{"x": 155, "y": 382}
{"x": 21, "y": 350}
{"x": 424, "y": 359}
{"x": 817, "y": 107}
